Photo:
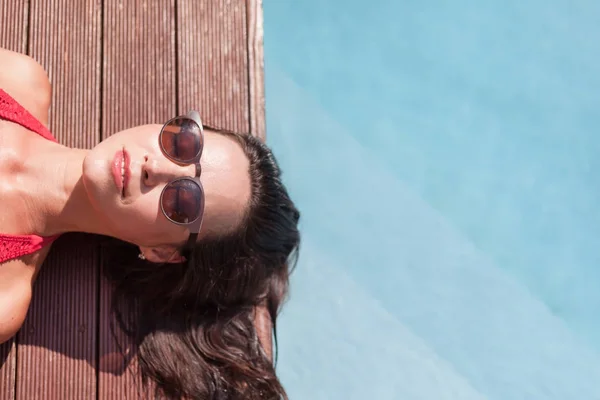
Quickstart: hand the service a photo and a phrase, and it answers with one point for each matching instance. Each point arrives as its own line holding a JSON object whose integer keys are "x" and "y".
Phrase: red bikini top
{"x": 14, "y": 246}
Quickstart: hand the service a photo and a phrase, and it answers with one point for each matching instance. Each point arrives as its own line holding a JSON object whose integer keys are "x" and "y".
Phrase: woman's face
{"x": 133, "y": 214}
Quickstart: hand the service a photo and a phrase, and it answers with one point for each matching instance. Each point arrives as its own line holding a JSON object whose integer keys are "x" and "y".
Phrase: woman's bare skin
{"x": 26, "y": 81}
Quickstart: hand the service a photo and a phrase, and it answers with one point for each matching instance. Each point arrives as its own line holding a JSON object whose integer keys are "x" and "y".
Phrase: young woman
{"x": 204, "y": 234}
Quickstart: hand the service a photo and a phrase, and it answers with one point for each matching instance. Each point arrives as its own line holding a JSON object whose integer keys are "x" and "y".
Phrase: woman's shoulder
{"x": 25, "y": 80}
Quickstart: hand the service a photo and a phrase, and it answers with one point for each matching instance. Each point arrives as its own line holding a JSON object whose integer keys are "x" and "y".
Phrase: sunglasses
{"x": 181, "y": 140}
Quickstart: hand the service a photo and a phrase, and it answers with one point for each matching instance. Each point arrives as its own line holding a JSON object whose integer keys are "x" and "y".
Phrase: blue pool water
{"x": 444, "y": 155}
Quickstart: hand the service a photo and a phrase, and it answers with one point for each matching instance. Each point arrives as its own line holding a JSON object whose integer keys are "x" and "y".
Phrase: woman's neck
{"x": 59, "y": 202}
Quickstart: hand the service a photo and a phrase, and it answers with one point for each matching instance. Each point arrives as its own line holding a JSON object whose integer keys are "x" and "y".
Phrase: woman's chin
{"x": 100, "y": 190}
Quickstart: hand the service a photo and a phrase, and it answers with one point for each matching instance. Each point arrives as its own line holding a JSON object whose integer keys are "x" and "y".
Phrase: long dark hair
{"x": 194, "y": 323}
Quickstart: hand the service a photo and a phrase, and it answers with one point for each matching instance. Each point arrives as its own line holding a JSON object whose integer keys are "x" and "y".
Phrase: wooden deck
{"x": 115, "y": 64}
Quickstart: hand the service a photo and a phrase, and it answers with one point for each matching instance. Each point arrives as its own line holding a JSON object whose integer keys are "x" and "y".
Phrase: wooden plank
{"x": 57, "y": 345}
{"x": 13, "y": 36}
{"x": 65, "y": 39}
{"x": 139, "y": 88}
{"x": 213, "y": 61}
{"x": 262, "y": 319}
{"x": 8, "y": 362}
{"x": 256, "y": 69}
{"x": 138, "y": 64}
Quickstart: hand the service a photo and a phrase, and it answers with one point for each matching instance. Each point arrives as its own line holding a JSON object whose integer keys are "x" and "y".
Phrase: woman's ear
{"x": 162, "y": 254}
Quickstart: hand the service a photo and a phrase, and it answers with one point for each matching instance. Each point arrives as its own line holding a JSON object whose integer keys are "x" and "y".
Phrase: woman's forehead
{"x": 226, "y": 181}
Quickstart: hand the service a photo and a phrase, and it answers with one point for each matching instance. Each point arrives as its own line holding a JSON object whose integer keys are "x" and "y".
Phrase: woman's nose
{"x": 158, "y": 170}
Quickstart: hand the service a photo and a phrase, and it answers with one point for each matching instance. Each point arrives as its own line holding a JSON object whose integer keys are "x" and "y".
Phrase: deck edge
{"x": 256, "y": 68}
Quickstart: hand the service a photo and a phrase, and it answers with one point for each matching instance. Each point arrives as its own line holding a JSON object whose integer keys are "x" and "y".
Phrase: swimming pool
{"x": 444, "y": 156}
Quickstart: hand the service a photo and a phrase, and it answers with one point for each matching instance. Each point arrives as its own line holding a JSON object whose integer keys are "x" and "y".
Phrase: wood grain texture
{"x": 58, "y": 342}
{"x": 139, "y": 63}
{"x": 139, "y": 88}
{"x": 13, "y": 29}
{"x": 213, "y": 62}
{"x": 8, "y": 364}
{"x": 256, "y": 69}
{"x": 64, "y": 36}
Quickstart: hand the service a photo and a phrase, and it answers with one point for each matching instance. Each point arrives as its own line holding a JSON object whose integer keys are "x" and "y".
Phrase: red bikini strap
{"x": 12, "y": 111}
{"x": 14, "y": 246}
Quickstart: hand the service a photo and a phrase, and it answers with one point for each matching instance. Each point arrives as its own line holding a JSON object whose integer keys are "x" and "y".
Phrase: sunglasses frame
{"x": 195, "y": 225}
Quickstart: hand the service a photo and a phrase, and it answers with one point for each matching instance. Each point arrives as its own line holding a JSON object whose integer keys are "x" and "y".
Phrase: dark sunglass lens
{"x": 181, "y": 201}
{"x": 181, "y": 139}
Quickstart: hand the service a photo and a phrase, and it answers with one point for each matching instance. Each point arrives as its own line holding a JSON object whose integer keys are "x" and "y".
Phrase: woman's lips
{"x": 121, "y": 171}
{"x": 126, "y": 172}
